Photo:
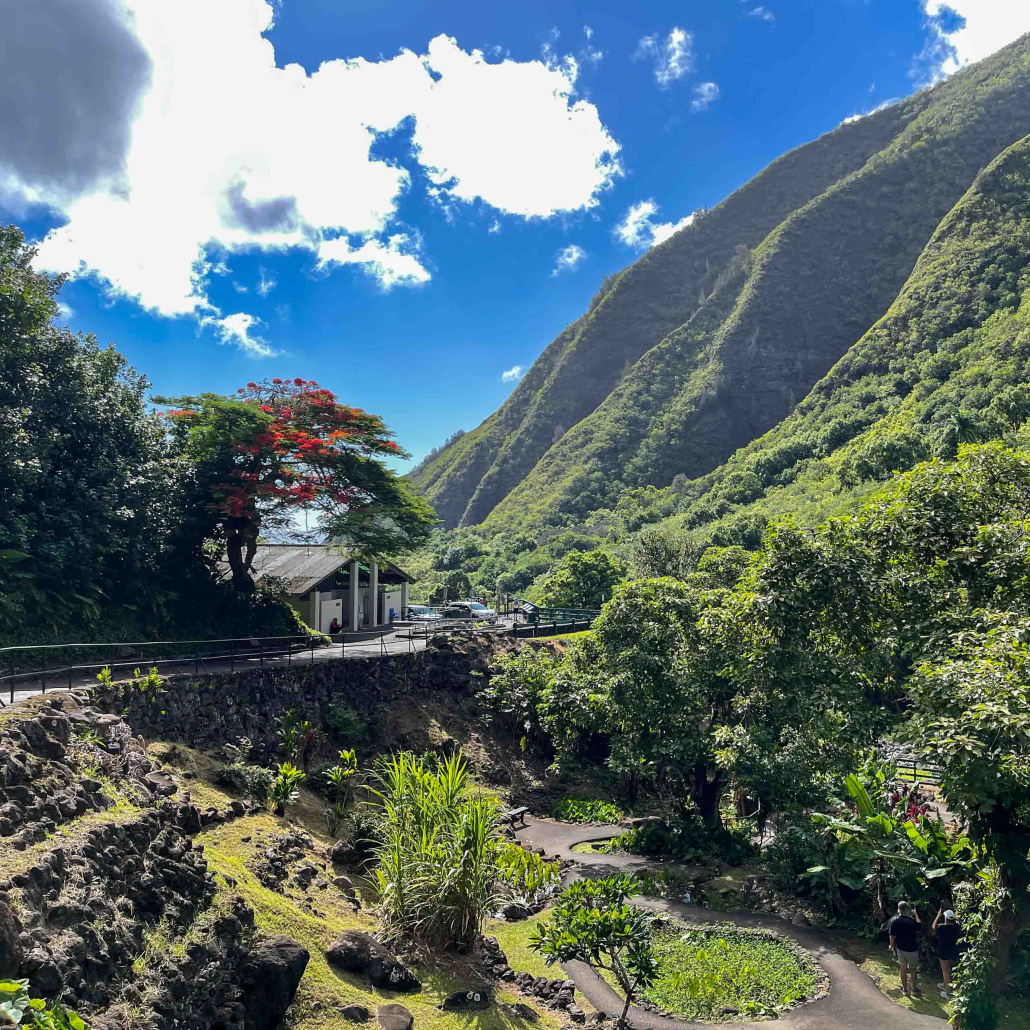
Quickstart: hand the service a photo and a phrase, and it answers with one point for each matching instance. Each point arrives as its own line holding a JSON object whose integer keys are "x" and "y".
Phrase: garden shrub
{"x": 241, "y": 778}
{"x": 345, "y": 724}
{"x": 576, "y": 808}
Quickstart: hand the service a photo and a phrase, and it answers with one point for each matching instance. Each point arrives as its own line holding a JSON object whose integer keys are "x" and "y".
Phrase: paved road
{"x": 364, "y": 645}
{"x": 854, "y": 1002}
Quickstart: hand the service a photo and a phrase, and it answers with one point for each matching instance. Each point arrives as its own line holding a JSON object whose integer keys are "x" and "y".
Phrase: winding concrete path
{"x": 854, "y": 1001}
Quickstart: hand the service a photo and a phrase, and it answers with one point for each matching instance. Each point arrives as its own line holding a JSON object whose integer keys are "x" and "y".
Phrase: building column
{"x": 352, "y": 570}
{"x": 404, "y": 597}
{"x": 316, "y": 622}
{"x": 373, "y": 574}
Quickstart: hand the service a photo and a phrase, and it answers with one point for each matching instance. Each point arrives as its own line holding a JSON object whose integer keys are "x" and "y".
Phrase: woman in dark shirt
{"x": 947, "y": 944}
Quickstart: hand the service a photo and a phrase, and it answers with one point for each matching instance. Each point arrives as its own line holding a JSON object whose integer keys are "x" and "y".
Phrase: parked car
{"x": 469, "y": 610}
{"x": 420, "y": 613}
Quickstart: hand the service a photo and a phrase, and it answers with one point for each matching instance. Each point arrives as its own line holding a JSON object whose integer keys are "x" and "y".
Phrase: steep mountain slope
{"x": 948, "y": 363}
{"x": 711, "y": 339}
{"x": 632, "y": 311}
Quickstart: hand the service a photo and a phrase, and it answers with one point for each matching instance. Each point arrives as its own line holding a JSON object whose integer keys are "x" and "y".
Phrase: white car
{"x": 421, "y": 613}
{"x": 469, "y": 610}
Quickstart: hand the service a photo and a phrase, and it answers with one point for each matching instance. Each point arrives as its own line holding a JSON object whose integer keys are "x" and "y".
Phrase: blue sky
{"x": 414, "y": 220}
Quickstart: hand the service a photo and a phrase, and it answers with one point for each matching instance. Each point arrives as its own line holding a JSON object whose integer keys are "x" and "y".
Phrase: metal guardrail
{"x": 69, "y": 669}
{"x": 550, "y": 629}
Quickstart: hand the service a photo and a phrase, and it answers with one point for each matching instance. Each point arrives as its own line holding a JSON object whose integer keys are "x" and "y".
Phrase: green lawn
{"x": 875, "y": 960}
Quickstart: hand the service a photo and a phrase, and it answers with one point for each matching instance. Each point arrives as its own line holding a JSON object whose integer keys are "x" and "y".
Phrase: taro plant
{"x": 291, "y": 732}
{"x": 285, "y": 788}
{"x": 592, "y": 923}
{"x": 18, "y": 1008}
{"x": 340, "y": 778}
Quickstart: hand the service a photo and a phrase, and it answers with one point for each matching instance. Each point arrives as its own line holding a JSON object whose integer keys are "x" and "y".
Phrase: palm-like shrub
{"x": 437, "y": 874}
{"x": 285, "y": 787}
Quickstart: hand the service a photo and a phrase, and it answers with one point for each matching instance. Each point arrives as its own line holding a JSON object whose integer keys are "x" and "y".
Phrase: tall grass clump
{"x": 438, "y": 874}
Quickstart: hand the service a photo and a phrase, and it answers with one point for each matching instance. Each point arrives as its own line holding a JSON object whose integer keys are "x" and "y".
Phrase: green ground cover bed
{"x": 578, "y": 808}
{"x": 722, "y": 971}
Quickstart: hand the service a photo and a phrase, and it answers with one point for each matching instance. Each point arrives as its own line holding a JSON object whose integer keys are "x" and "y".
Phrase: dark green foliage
{"x": 252, "y": 780}
{"x": 345, "y": 725}
{"x": 85, "y": 483}
{"x": 576, "y": 808}
{"x": 581, "y": 580}
{"x": 689, "y": 840}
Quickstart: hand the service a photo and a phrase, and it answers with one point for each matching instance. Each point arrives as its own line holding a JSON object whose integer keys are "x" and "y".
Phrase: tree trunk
{"x": 239, "y": 563}
{"x": 1008, "y": 925}
{"x": 707, "y": 795}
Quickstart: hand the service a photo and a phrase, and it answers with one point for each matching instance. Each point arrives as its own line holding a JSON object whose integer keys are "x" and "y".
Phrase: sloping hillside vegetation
{"x": 711, "y": 339}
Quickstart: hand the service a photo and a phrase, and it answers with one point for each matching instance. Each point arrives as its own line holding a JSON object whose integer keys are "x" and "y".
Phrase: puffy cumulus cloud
{"x": 513, "y": 375}
{"x": 705, "y": 93}
{"x": 391, "y": 263}
{"x": 229, "y": 152}
{"x": 568, "y": 258}
{"x": 510, "y": 134}
{"x": 72, "y": 132}
{"x": 672, "y": 56}
{"x": 236, "y": 330}
{"x": 65, "y": 311}
{"x": 963, "y": 31}
{"x": 639, "y": 229}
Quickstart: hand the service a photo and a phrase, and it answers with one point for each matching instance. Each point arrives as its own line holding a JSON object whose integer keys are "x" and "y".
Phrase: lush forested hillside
{"x": 874, "y": 274}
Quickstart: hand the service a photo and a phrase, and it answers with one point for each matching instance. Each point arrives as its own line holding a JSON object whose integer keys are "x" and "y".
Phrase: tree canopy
{"x": 279, "y": 447}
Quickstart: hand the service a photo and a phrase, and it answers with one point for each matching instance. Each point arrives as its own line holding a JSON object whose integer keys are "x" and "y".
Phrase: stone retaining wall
{"x": 217, "y": 709}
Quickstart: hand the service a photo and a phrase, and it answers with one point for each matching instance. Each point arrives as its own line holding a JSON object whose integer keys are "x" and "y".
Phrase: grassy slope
{"x": 816, "y": 283}
{"x": 648, "y": 300}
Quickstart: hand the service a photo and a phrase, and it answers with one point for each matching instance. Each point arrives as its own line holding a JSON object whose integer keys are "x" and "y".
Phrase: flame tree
{"x": 280, "y": 447}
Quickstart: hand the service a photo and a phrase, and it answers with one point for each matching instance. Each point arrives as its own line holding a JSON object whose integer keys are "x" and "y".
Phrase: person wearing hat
{"x": 947, "y": 944}
{"x": 904, "y": 942}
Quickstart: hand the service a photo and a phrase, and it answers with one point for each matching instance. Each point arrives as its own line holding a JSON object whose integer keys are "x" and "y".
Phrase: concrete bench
{"x": 517, "y": 814}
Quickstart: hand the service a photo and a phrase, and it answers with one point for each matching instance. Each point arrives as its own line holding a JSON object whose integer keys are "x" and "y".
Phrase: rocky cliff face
{"x": 95, "y": 866}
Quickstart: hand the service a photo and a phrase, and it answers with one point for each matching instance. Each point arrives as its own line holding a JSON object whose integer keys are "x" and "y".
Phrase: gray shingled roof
{"x": 301, "y": 566}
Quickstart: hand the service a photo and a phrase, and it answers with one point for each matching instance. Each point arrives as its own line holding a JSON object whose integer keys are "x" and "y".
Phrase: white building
{"x": 319, "y": 580}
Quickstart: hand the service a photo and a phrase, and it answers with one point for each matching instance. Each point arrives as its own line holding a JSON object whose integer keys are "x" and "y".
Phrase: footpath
{"x": 854, "y": 1001}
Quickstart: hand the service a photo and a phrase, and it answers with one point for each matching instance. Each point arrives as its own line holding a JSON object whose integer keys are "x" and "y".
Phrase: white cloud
{"x": 65, "y": 311}
{"x": 638, "y": 229}
{"x": 391, "y": 264}
{"x": 239, "y": 287}
{"x": 663, "y": 230}
{"x": 236, "y": 330}
{"x": 762, "y": 14}
{"x": 567, "y": 258}
{"x": 673, "y": 56}
{"x": 705, "y": 93}
{"x": 230, "y": 152}
{"x": 981, "y": 28}
{"x": 494, "y": 227}
{"x": 588, "y": 32}
{"x": 858, "y": 116}
{"x": 266, "y": 282}
{"x": 513, "y": 375}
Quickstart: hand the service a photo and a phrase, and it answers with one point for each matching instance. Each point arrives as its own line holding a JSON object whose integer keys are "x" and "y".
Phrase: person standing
{"x": 904, "y": 942}
{"x": 947, "y": 944}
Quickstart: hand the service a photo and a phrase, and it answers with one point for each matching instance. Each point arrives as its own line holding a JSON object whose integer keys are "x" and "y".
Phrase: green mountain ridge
{"x": 721, "y": 346}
